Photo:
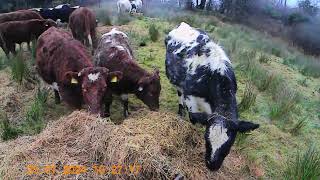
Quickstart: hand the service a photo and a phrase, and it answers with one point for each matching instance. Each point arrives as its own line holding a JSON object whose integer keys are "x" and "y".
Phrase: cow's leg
{"x": 107, "y": 103}
{"x": 195, "y": 114}
{"x": 55, "y": 89}
{"x": 181, "y": 104}
{"x": 125, "y": 102}
{"x": 56, "y": 97}
{"x": 29, "y": 47}
{"x": 12, "y": 48}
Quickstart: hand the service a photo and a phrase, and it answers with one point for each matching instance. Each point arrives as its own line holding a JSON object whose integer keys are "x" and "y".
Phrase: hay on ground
{"x": 160, "y": 143}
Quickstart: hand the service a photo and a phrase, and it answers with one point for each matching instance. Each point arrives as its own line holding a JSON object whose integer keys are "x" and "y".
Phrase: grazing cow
{"x": 124, "y": 6}
{"x": 114, "y": 53}
{"x": 65, "y": 63}
{"x": 20, "y": 15}
{"x": 206, "y": 85}
{"x": 83, "y": 25}
{"x": 13, "y": 32}
{"x": 61, "y": 12}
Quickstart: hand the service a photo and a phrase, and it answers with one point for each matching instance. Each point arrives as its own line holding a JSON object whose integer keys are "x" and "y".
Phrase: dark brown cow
{"x": 82, "y": 23}
{"x": 20, "y": 15}
{"x": 13, "y": 32}
{"x": 65, "y": 63}
{"x": 114, "y": 53}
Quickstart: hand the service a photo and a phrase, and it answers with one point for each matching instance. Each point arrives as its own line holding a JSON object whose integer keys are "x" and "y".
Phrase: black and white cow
{"x": 206, "y": 84}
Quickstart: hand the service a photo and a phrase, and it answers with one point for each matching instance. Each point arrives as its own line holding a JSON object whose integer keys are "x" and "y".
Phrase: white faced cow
{"x": 206, "y": 85}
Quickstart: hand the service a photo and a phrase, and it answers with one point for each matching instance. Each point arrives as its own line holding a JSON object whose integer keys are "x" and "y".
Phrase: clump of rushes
{"x": 298, "y": 127}
{"x": 19, "y": 68}
{"x": 249, "y": 97}
{"x": 34, "y": 117}
{"x": 153, "y": 33}
{"x": 264, "y": 58}
{"x": 286, "y": 100}
{"x": 305, "y": 166}
{"x": 104, "y": 18}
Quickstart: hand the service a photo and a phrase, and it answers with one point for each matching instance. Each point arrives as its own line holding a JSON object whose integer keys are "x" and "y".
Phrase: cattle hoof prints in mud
{"x": 206, "y": 85}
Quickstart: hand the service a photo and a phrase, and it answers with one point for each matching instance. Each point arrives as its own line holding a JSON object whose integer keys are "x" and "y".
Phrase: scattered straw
{"x": 162, "y": 143}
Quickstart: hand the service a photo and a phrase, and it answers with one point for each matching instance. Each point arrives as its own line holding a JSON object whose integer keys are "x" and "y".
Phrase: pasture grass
{"x": 153, "y": 33}
{"x": 305, "y": 166}
{"x": 249, "y": 97}
{"x": 8, "y": 131}
{"x": 34, "y": 122}
{"x": 271, "y": 144}
{"x": 19, "y": 68}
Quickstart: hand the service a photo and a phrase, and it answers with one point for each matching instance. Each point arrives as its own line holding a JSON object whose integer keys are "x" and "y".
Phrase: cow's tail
{"x": 90, "y": 39}
{"x": 88, "y": 25}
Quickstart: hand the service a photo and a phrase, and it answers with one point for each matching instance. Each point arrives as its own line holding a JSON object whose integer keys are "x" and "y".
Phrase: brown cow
{"x": 65, "y": 63}
{"x": 114, "y": 53}
{"x": 20, "y": 15}
{"x": 13, "y": 32}
{"x": 82, "y": 23}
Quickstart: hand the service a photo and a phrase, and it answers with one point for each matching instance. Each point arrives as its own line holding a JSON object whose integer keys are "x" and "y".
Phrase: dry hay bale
{"x": 162, "y": 143}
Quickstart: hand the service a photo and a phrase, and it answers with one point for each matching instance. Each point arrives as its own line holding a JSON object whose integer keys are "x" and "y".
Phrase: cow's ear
{"x": 72, "y": 77}
{"x": 142, "y": 83}
{"x": 245, "y": 126}
{"x": 114, "y": 76}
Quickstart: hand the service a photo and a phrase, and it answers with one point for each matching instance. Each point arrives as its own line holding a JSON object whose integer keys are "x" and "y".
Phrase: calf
{"x": 83, "y": 25}
{"x": 20, "y": 15}
{"x": 114, "y": 53}
{"x": 206, "y": 85}
{"x": 13, "y": 32}
{"x": 65, "y": 63}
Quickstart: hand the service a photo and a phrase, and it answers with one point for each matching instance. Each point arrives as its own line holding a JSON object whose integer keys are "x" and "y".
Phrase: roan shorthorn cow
{"x": 82, "y": 23}
{"x": 114, "y": 53}
{"x": 64, "y": 63}
{"x": 17, "y": 32}
{"x": 206, "y": 85}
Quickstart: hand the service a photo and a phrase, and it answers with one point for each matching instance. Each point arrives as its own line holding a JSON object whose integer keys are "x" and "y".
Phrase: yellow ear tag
{"x": 114, "y": 79}
{"x": 74, "y": 81}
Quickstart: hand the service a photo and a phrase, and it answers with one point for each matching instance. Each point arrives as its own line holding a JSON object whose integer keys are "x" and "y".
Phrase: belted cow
{"x": 206, "y": 85}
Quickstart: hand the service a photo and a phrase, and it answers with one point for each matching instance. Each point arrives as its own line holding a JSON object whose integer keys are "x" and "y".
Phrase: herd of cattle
{"x": 198, "y": 68}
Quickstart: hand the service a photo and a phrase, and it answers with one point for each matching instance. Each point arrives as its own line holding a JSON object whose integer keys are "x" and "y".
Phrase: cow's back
{"x": 82, "y": 20}
{"x": 57, "y": 53}
{"x": 113, "y": 47}
{"x": 19, "y": 16}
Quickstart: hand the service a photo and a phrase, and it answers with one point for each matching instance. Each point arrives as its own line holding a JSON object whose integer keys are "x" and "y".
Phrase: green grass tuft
{"x": 34, "y": 117}
{"x": 153, "y": 33}
{"x": 249, "y": 98}
{"x": 8, "y": 131}
{"x": 19, "y": 68}
{"x": 306, "y": 166}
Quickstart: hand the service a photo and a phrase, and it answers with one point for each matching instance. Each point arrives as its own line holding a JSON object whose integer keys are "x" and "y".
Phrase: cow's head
{"x": 148, "y": 90}
{"x": 220, "y": 136}
{"x": 93, "y": 81}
